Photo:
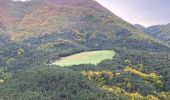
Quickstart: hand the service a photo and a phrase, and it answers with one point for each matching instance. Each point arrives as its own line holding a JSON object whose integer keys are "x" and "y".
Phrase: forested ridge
{"x": 30, "y": 41}
{"x": 160, "y": 32}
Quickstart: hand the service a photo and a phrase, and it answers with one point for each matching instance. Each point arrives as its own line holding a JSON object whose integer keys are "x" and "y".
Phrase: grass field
{"x": 91, "y": 57}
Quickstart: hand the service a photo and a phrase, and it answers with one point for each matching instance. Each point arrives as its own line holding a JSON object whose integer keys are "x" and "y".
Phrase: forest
{"x": 34, "y": 35}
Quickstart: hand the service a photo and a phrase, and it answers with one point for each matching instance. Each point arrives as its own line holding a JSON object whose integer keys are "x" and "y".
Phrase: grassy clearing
{"x": 91, "y": 57}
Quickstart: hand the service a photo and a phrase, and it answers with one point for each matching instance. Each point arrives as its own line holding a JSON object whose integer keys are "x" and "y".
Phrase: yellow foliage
{"x": 128, "y": 61}
{"x": 135, "y": 96}
{"x": 164, "y": 95}
{"x": 117, "y": 74}
{"x": 151, "y": 97}
{"x": 98, "y": 74}
{"x": 10, "y": 60}
{"x": 153, "y": 77}
{"x": 1, "y": 80}
{"x": 129, "y": 85}
{"x": 126, "y": 79}
{"x": 21, "y": 52}
{"x": 131, "y": 96}
{"x": 140, "y": 67}
{"x": 114, "y": 90}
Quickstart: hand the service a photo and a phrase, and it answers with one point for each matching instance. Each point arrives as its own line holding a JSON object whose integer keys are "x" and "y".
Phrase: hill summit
{"x": 76, "y": 21}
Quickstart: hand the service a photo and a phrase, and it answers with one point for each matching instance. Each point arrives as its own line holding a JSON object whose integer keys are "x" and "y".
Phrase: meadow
{"x": 91, "y": 57}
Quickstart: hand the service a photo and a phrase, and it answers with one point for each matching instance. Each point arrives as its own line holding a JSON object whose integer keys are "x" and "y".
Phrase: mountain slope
{"x": 139, "y": 27}
{"x": 82, "y": 22}
{"x": 160, "y": 32}
{"x": 51, "y": 83}
{"x": 36, "y": 33}
{"x": 49, "y": 29}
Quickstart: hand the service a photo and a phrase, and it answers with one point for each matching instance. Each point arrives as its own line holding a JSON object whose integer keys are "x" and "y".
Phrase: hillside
{"x": 140, "y": 27}
{"x": 76, "y": 21}
{"x": 104, "y": 81}
{"x": 36, "y": 33}
{"x": 41, "y": 31}
{"x": 51, "y": 83}
{"x": 160, "y": 32}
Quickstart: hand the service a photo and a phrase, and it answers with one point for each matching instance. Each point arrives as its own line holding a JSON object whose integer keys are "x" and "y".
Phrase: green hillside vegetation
{"x": 4, "y": 75}
{"x": 81, "y": 22}
{"x": 104, "y": 81}
{"x": 36, "y": 33}
{"x": 111, "y": 79}
{"x": 51, "y": 83}
{"x": 160, "y": 32}
{"x": 119, "y": 83}
{"x": 91, "y": 57}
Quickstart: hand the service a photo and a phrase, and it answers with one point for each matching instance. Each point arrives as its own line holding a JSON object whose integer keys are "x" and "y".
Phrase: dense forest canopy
{"x": 35, "y": 34}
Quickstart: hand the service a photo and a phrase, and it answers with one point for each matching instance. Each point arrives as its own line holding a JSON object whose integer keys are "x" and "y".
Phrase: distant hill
{"x": 160, "y": 32}
{"x": 140, "y": 27}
